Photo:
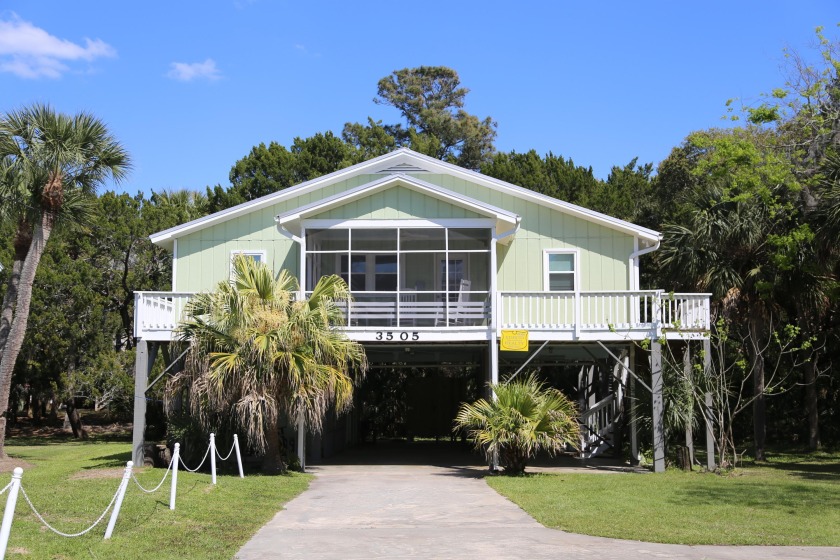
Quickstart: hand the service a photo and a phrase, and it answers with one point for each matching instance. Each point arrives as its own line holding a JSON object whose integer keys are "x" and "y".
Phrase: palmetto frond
{"x": 525, "y": 417}
{"x": 256, "y": 352}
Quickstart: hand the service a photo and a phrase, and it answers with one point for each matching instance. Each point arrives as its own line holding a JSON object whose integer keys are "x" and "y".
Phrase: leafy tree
{"x": 431, "y": 100}
{"x": 256, "y": 353}
{"x": 268, "y": 169}
{"x": 551, "y": 175}
{"x": 56, "y": 156}
{"x": 524, "y": 418}
{"x": 627, "y": 194}
{"x": 369, "y": 141}
{"x": 734, "y": 240}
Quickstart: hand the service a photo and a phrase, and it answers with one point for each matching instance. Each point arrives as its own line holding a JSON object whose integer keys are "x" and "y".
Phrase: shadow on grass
{"x": 37, "y": 441}
{"x": 787, "y": 497}
{"x": 109, "y": 461}
{"x": 828, "y": 472}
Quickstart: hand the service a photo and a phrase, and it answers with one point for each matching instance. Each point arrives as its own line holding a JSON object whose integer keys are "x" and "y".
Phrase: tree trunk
{"x": 23, "y": 238}
{"x": 17, "y": 331}
{"x": 811, "y": 403}
{"x": 273, "y": 459}
{"x": 756, "y": 326}
{"x": 79, "y": 431}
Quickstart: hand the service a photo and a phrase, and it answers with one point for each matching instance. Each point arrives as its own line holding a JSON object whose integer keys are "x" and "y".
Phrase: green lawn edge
{"x": 793, "y": 501}
{"x": 72, "y": 483}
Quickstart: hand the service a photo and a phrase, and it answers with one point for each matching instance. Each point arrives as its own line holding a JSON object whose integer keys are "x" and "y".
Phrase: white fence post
{"x": 176, "y": 456}
{"x": 238, "y": 455}
{"x": 120, "y": 496}
{"x": 9, "y": 513}
{"x": 213, "y": 457}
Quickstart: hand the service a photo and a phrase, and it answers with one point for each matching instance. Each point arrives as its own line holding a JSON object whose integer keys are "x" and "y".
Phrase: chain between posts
{"x": 60, "y": 533}
{"x": 199, "y": 465}
{"x": 156, "y": 488}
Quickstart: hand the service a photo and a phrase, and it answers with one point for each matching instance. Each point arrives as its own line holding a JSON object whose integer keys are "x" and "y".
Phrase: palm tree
{"x": 524, "y": 418}
{"x": 255, "y": 352}
{"x": 56, "y": 158}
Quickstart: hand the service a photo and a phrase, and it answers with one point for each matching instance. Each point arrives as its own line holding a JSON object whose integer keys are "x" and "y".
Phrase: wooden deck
{"x": 429, "y": 316}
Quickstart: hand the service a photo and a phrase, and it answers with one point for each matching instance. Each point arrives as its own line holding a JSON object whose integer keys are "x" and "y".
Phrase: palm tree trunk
{"x": 273, "y": 459}
{"x": 9, "y": 300}
{"x": 17, "y": 330}
{"x": 23, "y": 238}
{"x": 756, "y": 326}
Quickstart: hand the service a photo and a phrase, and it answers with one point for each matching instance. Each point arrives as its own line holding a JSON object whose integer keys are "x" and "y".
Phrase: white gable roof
{"x": 505, "y": 221}
{"x": 399, "y": 162}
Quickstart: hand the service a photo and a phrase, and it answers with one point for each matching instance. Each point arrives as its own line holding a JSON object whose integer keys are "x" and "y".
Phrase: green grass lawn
{"x": 72, "y": 483}
{"x": 791, "y": 500}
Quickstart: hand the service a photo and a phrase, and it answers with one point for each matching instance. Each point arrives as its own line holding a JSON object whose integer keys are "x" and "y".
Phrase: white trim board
{"x": 402, "y": 157}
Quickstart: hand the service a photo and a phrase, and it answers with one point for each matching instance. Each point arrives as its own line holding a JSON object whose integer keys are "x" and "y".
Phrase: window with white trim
{"x": 258, "y": 255}
{"x": 560, "y": 270}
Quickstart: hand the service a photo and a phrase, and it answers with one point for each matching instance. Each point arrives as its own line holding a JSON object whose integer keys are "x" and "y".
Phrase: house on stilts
{"x": 448, "y": 268}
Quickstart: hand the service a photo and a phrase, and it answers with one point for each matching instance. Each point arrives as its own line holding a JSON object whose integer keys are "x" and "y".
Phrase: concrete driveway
{"x": 420, "y": 511}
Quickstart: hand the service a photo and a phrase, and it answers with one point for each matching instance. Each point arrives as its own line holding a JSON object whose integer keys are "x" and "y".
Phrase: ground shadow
{"x": 109, "y": 461}
{"x": 460, "y": 459}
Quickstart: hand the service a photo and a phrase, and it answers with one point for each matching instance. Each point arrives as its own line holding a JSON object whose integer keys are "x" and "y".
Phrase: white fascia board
{"x": 438, "y": 166}
{"x": 502, "y": 217}
{"x": 401, "y": 156}
{"x": 163, "y": 238}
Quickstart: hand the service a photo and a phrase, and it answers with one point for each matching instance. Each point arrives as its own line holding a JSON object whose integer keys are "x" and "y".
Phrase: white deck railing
{"x": 157, "y": 314}
{"x": 603, "y": 310}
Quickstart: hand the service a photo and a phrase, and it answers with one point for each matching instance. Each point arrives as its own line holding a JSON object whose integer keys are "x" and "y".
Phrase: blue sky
{"x": 190, "y": 87}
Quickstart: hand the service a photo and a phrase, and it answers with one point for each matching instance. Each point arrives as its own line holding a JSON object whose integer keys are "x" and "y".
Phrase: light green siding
{"x": 397, "y": 203}
{"x": 203, "y": 256}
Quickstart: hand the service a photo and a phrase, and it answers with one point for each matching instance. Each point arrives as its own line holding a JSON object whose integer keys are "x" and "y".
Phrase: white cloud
{"x": 30, "y": 52}
{"x": 187, "y": 72}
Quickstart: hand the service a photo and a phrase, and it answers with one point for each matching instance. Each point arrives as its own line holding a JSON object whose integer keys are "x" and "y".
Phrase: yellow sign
{"x": 514, "y": 341}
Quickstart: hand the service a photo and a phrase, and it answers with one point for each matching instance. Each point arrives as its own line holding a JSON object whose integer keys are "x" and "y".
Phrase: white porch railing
{"x": 597, "y": 426}
{"x": 157, "y": 314}
{"x": 603, "y": 310}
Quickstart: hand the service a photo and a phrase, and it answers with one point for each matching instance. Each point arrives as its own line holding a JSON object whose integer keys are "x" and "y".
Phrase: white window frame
{"x": 249, "y": 253}
{"x": 575, "y": 272}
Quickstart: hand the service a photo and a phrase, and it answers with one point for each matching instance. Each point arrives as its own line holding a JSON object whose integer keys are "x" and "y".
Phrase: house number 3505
{"x": 391, "y": 335}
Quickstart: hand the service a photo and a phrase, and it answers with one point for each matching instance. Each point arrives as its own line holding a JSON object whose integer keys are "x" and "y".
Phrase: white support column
{"x": 494, "y": 379}
{"x": 144, "y": 359}
{"x": 711, "y": 464}
{"x": 688, "y": 373}
{"x": 658, "y": 407}
{"x": 634, "y": 428}
{"x": 301, "y": 441}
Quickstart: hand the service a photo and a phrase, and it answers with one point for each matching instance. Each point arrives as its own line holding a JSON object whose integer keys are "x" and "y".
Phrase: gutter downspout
{"x": 634, "y": 276}
{"x": 288, "y": 234}
{"x": 634, "y": 262}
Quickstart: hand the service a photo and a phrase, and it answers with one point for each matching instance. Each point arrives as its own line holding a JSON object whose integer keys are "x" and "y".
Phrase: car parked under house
{"x": 442, "y": 263}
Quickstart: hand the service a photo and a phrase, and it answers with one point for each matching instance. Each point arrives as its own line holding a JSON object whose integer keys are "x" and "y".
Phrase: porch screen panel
{"x": 422, "y": 239}
{"x": 385, "y": 273}
{"x": 374, "y": 240}
{"x": 327, "y": 240}
{"x": 469, "y": 239}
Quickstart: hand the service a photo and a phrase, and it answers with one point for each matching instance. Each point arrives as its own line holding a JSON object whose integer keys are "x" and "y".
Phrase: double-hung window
{"x": 560, "y": 268}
